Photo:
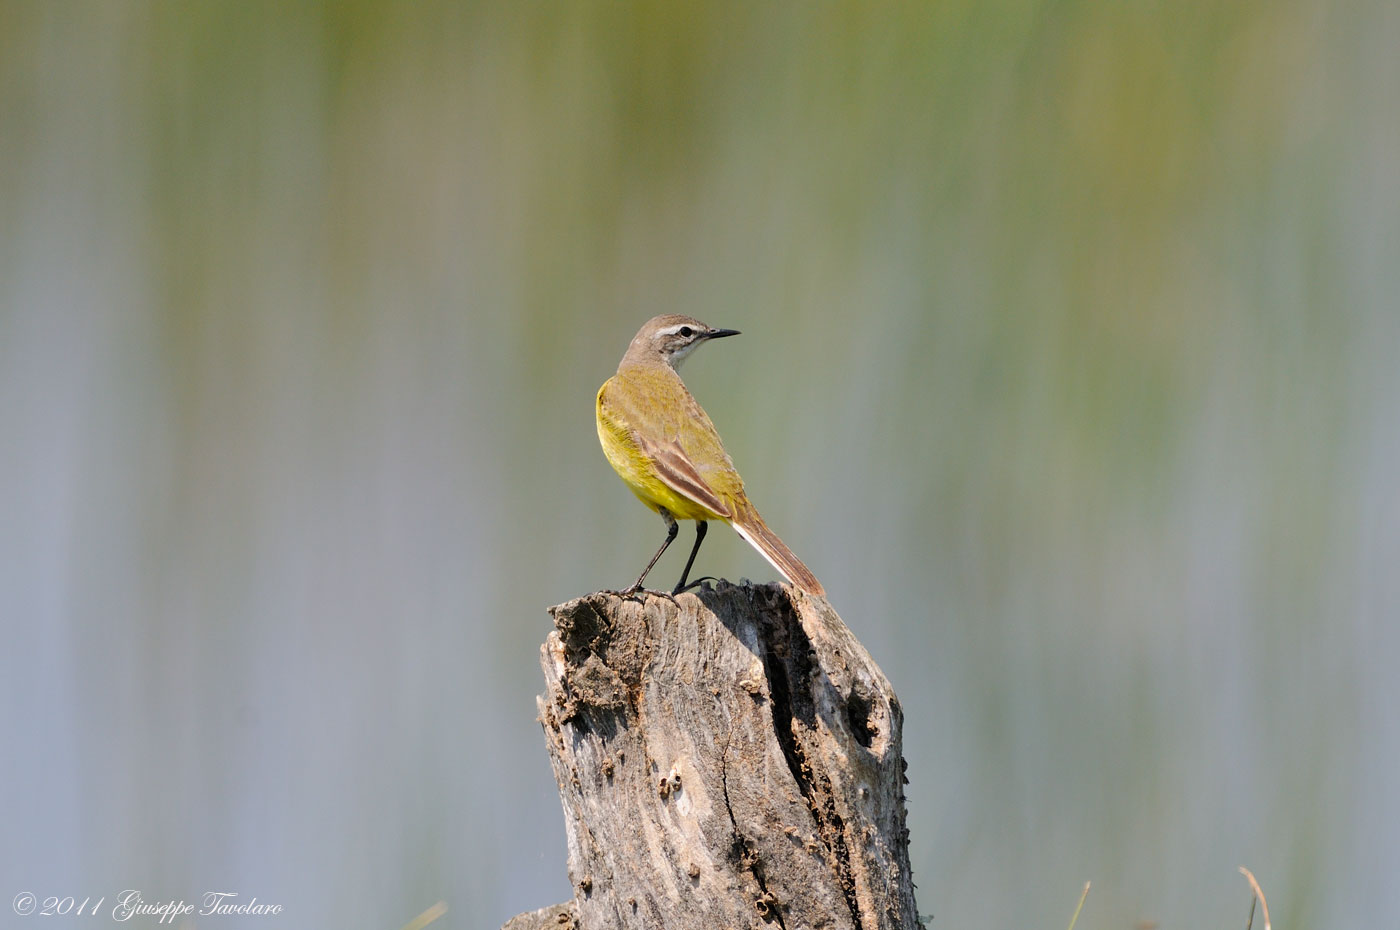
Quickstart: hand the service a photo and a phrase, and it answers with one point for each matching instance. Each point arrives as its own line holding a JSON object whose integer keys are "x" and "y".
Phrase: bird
{"x": 665, "y": 448}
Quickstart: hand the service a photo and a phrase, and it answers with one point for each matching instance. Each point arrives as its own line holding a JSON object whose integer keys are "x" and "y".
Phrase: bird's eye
{"x": 687, "y": 332}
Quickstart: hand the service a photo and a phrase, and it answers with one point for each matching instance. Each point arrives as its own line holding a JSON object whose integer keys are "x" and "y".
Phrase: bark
{"x": 558, "y": 917}
{"x": 728, "y": 758}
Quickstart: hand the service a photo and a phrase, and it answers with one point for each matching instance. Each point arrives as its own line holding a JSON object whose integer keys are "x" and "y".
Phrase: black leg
{"x": 700, "y": 526}
{"x": 672, "y": 528}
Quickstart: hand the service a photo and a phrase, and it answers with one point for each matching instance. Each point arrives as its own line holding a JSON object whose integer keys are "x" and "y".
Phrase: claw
{"x": 694, "y": 584}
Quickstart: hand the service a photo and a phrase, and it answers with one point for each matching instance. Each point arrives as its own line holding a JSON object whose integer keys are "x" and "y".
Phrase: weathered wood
{"x": 558, "y": 917}
{"x": 727, "y": 758}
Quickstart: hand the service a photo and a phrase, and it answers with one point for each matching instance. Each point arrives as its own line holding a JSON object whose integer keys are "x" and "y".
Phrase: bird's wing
{"x": 675, "y": 436}
{"x": 679, "y": 474}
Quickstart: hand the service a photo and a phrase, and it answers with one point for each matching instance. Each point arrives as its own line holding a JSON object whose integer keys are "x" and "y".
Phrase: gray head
{"x": 670, "y": 338}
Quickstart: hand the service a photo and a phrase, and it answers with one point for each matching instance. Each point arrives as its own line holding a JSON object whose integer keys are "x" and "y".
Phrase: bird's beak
{"x": 718, "y": 333}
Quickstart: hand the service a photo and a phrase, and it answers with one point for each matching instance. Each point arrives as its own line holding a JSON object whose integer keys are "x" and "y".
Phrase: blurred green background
{"x": 1071, "y": 365}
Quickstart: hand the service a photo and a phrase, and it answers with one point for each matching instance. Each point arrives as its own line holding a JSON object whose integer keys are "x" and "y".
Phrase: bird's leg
{"x": 672, "y": 528}
{"x": 700, "y": 526}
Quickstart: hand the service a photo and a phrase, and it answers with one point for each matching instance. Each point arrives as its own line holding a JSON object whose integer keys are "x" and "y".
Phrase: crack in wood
{"x": 742, "y": 853}
{"x": 786, "y": 642}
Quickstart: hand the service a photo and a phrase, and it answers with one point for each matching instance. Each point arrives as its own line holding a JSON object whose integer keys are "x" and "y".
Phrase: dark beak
{"x": 717, "y": 333}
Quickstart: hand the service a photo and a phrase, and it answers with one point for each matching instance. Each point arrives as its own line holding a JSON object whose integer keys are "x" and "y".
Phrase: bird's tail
{"x": 756, "y": 533}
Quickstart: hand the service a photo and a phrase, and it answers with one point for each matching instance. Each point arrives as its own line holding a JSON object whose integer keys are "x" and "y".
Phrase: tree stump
{"x": 726, "y": 758}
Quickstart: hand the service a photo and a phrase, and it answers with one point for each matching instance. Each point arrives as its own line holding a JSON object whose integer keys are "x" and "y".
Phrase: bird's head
{"x": 671, "y": 337}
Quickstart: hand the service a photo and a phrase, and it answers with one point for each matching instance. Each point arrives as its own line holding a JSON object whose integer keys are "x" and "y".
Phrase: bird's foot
{"x": 639, "y": 594}
{"x": 681, "y": 589}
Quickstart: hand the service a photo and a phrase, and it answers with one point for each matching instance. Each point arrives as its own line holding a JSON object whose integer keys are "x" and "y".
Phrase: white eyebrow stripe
{"x": 673, "y": 330}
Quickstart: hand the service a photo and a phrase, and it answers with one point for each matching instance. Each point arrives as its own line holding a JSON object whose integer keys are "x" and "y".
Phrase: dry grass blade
{"x": 427, "y": 917}
{"x": 1079, "y": 907}
{"x": 1258, "y": 893}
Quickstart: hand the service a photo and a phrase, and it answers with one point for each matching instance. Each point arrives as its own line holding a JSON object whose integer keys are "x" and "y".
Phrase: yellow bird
{"x": 665, "y": 448}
